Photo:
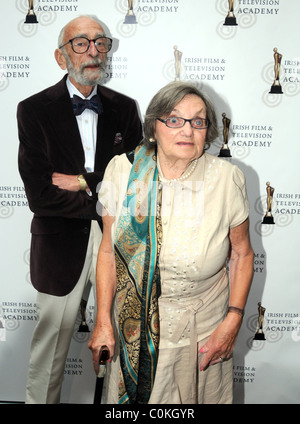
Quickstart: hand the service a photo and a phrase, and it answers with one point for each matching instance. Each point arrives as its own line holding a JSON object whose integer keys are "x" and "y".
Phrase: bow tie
{"x": 79, "y": 104}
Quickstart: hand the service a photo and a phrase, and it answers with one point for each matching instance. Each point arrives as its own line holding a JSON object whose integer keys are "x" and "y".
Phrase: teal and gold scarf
{"x": 137, "y": 243}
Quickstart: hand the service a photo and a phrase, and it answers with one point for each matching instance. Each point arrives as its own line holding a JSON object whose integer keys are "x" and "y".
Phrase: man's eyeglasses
{"x": 176, "y": 122}
{"x": 81, "y": 45}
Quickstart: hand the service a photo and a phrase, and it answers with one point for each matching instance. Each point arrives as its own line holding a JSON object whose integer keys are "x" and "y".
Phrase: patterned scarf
{"x": 137, "y": 244}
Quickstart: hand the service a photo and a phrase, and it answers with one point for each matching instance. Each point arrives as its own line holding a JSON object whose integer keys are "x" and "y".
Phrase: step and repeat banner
{"x": 245, "y": 55}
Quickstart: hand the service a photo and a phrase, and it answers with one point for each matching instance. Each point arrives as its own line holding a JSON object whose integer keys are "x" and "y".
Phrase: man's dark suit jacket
{"x": 50, "y": 142}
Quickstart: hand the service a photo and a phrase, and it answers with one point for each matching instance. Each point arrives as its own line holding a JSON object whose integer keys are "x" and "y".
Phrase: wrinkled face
{"x": 185, "y": 143}
{"x": 87, "y": 68}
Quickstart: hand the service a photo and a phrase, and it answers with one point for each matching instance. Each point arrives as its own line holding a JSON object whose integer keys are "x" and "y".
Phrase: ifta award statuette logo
{"x": 259, "y": 335}
{"x": 31, "y": 16}
{"x": 276, "y": 87}
{"x": 225, "y": 151}
{"x": 268, "y": 218}
{"x": 83, "y": 327}
{"x": 177, "y": 56}
{"x": 230, "y": 18}
{"x": 130, "y": 18}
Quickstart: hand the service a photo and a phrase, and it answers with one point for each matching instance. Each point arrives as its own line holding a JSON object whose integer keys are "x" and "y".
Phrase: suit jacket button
{"x": 85, "y": 230}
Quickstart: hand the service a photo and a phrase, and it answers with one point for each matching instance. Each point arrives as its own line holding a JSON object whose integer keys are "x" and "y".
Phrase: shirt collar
{"x": 73, "y": 90}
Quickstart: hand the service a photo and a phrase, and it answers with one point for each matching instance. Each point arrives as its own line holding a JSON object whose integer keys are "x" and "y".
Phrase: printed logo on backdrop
{"x": 243, "y": 138}
{"x": 259, "y": 263}
{"x": 32, "y": 16}
{"x": 268, "y": 218}
{"x": 18, "y": 66}
{"x": 246, "y": 374}
{"x": 13, "y": 313}
{"x": 40, "y": 7}
{"x": 270, "y": 327}
{"x": 280, "y": 210}
{"x": 227, "y": 28}
{"x": 262, "y": 331}
{"x": 243, "y": 14}
{"x": 74, "y": 366}
{"x": 193, "y": 68}
{"x": 43, "y": 12}
{"x": 116, "y": 67}
{"x": 130, "y": 17}
{"x": 258, "y": 7}
{"x": 221, "y": 148}
{"x": 285, "y": 77}
{"x": 33, "y": 13}
{"x": 260, "y": 335}
{"x": 11, "y": 197}
{"x": 13, "y": 67}
{"x": 84, "y": 322}
{"x": 142, "y": 13}
{"x": 243, "y": 374}
{"x": 266, "y": 328}
{"x": 248, "y": 137}
{"x": 230, "y": 19}
{"x": 225, "y": 151}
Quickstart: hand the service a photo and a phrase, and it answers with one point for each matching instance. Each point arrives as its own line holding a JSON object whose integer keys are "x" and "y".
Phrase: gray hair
{"x": 165, "y": 101}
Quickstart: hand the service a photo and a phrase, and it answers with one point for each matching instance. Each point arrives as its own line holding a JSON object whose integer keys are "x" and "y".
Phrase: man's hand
{"x": 66, "y": 182}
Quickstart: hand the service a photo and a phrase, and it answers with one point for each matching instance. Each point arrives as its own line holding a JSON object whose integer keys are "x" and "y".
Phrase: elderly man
{"x": 68, "y": 133}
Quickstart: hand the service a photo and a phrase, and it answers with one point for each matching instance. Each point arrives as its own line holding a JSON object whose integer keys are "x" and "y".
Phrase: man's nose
{"x": 92, "y": 49}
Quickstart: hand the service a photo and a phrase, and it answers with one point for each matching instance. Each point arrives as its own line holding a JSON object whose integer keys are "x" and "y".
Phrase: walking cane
{"x": 103, "y": 357}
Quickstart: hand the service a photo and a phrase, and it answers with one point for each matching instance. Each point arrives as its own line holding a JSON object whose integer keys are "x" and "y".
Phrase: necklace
{"x": 184, "y": 176}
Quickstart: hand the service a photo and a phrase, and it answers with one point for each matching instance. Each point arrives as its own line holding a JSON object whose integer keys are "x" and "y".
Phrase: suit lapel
{"x": 105, "y": 130}
{"x": 62, "y": 117}
{"x": 64, "y": 122}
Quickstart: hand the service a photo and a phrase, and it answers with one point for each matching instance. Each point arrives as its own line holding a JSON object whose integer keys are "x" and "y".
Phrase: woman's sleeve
{"x": 114, "y": 184}
{"x": 238, "y": 199}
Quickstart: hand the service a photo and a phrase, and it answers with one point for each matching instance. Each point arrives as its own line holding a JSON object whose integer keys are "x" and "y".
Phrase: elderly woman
{"x": 172, "y": 216}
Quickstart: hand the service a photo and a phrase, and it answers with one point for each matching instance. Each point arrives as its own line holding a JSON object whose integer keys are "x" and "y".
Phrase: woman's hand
{"x": 103, "y": 335}
{"x": 219, "y": 346}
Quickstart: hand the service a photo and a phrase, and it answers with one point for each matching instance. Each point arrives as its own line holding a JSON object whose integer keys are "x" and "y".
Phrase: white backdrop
{"x": 235, "y": 66}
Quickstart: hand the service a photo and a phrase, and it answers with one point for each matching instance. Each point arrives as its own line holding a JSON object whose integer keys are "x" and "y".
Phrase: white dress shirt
{"x": 87, "y": 124}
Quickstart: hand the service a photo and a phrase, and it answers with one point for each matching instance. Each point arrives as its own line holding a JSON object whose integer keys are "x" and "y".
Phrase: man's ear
{"x": 60, "y": 59}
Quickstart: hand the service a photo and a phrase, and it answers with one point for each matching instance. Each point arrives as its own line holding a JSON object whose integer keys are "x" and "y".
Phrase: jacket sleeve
{"x": 35, "y": 167}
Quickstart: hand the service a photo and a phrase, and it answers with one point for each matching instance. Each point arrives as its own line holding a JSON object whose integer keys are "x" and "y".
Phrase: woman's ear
{"x": 60, "y": 59}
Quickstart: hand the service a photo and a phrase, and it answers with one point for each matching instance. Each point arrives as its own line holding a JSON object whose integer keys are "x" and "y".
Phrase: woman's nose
{"x": 187, "y": 128}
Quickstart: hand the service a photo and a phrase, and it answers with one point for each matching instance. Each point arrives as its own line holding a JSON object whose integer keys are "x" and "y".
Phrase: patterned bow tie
{"x": 79, "y": 104}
